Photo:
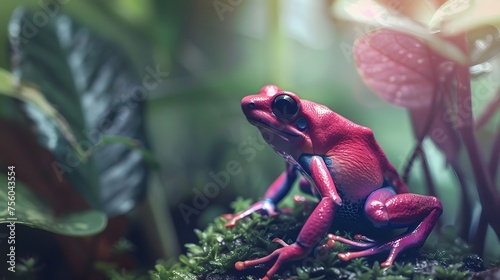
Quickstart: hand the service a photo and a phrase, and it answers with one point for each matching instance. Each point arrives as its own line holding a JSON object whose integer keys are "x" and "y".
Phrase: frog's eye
{"x": 285, "y": 107}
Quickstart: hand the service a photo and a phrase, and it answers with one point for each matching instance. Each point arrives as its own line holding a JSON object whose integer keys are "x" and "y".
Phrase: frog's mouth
{"x": 276, "y": 129}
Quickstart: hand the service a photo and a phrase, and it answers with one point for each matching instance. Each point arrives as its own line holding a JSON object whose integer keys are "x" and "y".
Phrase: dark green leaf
{"x": 94, "y": 87}
{"x": 31, "y": 210}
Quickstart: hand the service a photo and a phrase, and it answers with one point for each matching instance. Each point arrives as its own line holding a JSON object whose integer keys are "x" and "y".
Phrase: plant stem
{"x": 480, "y": 235}
{"x": 489, "y": 111}
{"x": 411, "y": 160}
{"x": 495, "y": 156}
{"x": 466, "y": 209}
{"x": 483, "y": 223}
{"x": 488, "y": 195}
{"x": 431, "y": 113}
{"x": 431, "y": 189}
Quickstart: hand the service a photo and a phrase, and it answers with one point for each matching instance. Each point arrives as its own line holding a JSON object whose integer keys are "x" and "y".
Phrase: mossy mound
{"x": 219, "y": 248}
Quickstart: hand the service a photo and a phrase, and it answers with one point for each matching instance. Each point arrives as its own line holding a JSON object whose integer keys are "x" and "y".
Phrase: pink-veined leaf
{"x": 406, "y": 17}
{"x": 405, "y": 72}
{"x": 399, "y": 68}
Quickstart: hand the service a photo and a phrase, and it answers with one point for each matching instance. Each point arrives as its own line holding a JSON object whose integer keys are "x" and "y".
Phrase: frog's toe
{"x": 368, "y": 243}
{"x": 281, "y": 242}
{"x": 346, "y": 256}
{"x": 230, "y": 224}
{"x": 288, "y": 253}
{"x": 364, "y": 238}
{"x": 392, "y": 246}
{"x": 307, "y": 202}
{"x": 286, "y": 210}
{"x": 227, "y": 216}
{"x": 395, "y": 246}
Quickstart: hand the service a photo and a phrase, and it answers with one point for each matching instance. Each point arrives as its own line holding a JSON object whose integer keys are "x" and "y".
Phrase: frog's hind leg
{"x": 384, "y": 208}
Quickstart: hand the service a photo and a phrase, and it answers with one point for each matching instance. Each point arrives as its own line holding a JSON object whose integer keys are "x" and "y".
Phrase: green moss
{"x": 213, "y": 257}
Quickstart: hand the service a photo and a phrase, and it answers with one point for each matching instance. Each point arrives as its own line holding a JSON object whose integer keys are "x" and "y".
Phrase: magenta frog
{"x": 342, "y": 164}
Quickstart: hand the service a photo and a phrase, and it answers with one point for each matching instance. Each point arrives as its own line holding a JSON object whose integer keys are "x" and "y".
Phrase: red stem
{"x": 483, "y": 223}
{"x": 427, "y": 173}
{"x": 466, "y": 210}
{"x": 480, "y": 234}
{"x": 488, "y": 195}
{"x": 495, "y": 156}
{"x": 428, "y": 180}
{"x": 489, "y": 111}
{"x": 436, "y": 98}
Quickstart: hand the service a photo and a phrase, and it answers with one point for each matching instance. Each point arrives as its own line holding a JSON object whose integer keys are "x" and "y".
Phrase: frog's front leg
{"x": 385, "y": 208}
{"x": 316, "y": 225}
{"x": 274, "y": 194}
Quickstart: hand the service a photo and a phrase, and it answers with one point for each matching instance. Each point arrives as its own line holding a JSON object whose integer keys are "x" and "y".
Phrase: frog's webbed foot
{"x": 287, "y": 253}
{"x": 371, "y": 247}
{"x": 265, "y": 207}
{"x": 395, "y": 246}
{"x": 311, "y": 233}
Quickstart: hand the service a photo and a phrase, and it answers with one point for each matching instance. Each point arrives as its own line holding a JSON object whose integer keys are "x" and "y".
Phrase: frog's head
{"x": 282, "y": 117}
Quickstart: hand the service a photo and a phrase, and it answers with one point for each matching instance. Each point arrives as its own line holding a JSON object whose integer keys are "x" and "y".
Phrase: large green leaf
{"x": 11, "y": 87}
{"x": 31, "y": 210}
{"x": 95, "y": 88}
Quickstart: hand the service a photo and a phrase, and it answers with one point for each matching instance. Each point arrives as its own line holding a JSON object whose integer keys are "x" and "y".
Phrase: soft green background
{"x": 194, "y": 119}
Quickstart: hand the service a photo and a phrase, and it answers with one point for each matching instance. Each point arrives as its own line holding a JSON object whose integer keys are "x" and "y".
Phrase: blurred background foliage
{"x": 216, "y": 52}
